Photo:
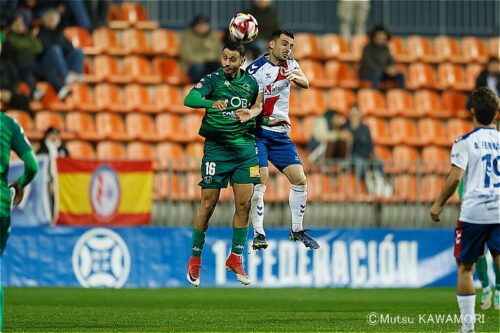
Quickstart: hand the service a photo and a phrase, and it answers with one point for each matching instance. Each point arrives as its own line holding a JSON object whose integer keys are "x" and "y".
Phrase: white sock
{"x": 466, "y": 304}
{"x": 297, "y": 201}
{"x": 257, "y": 209}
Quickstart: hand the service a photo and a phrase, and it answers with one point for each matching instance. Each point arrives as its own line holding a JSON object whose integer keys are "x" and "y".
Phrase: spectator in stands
{"x": 377, "y": 63}
{"x": 353, "y": 12}
{"x": 490, "y": 76}
{"x": 58, "y": 52}
{"x": 98, "y": 12}
{"x": 9, "y": 80}
{"x": 267, "y": 17}
{"x": 200, "y": 49}
{"x": 73, "y": 12}
{"x": 329, "y": 140}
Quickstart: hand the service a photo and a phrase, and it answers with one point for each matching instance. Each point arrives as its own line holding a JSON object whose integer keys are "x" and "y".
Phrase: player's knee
{"x": 465, "y": 268}
{"x": 207, "y": 207}
{"x": 242, "y": 207}
{"x": 298, "y": 180}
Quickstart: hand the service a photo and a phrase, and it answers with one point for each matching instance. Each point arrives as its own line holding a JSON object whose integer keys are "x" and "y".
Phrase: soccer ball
{"x": 244, "y": 27}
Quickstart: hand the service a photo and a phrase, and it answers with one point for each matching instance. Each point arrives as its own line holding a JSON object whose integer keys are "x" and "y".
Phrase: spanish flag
{"x": 104, "y": 193}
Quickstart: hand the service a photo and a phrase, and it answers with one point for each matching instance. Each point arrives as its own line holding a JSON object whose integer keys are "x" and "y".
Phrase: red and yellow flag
{"x": 104, "y": 193}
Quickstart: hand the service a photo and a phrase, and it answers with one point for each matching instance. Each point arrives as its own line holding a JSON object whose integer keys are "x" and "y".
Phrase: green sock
{"x": 482, "y": 271}
{"x": 198, "y": 239}
{"x": 497, "y": 277}
{"x": 239, "y": 240}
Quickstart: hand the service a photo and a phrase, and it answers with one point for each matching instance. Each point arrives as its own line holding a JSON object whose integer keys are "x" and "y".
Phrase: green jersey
{"x": 238, "y": 93}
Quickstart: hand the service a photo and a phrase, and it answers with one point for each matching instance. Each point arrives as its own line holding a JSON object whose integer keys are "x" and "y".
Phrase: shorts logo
{"x": 105, "y": 193}
{"x": 254, "y": 171}
{"x": 101, "y": 259}
{"x": 207, "y": 179}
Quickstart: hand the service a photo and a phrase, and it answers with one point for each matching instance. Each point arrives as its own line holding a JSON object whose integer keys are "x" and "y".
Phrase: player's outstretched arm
{"x": 30, "y": 170}
{"x": 245, "y": 115}
{"x": 195, "y": 100}
{"x": 298, "y": 77}
{"x": 450, "y": 186}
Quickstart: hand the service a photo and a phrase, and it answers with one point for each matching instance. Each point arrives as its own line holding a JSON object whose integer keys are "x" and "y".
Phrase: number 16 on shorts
{"x": 209, "y": 172}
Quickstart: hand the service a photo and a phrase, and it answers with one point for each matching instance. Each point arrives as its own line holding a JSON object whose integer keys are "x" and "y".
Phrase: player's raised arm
{"x": 450, "y": 186}
{"x": 298, "y": 77}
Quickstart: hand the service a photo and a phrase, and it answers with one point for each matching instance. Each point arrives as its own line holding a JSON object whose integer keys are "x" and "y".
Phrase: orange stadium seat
{"x": 421, "y": 76}
{"x": 82, "y": 98}
{"x": 80, "y": 38}
{"x": 24, "y": 119}
{"x": 296, "y": 133}
{"x": 472, "y": 71}
{"x": 430, "y": 187}
{"x": 140, "y": 126}
{"x": 400, "y": 102}
{"x": 170, "y": 71}
{"x": 334, "y": 47}
{"x": 165, "y": 42}
{"x": 140, "y": 70}
{"x": 341, "y": 99}
{"x": 194, "y": 150}
{"x": 46, "y": 119}
{"x": 420, "y": 48}
{"x": 494, "y": 47}
{"x": 82, "y": 125}
{"x": 428, "y": 103}
{"x": 435, "y": 159}
{"x": 398, "y": 50}
{"x": 432, "y": 132}
{"x": 137, "y": 42}
{"x": 312, "y": 102}
{"x": 170, "y": 155}
{"x": 307, "y": 46}
{"x": 110, "y": 126}
{"x": 107, "y": 40}
{"x": 51, "y": 101}
{"x": 474, "y": 50}
{"x": 169, "y": 98}
{"x": 405, "y": 188}
{"x": 379, "y": 131}
{"x": 451, "y": 77}
{"x": 455, "y": 103}
{"x": 80, "y": 150}
{"x": 308, "y": 127}
{"x": 404, "y": 132}
{"x": 107, "y": 68}
{"x": 193, "y": 192}
{"x": 110, "y": 98}
{"x": 457, "y": 127}
{"x": 447, "y": 49}
{"x": 405, "y": 159}
{"x": 132, "y": 14}
{"x": 372, "y": 102}
{"x": 140, "y": 151}
{"x": 294, "y": 102}
{"x": 356, "y": 46}
{"x": 315, "y": 73}
{"x": 107, "y": 150}
{"x": 139, "y": 98}
{"x": 164, "y": 125}
{"x": 348, "y": 76}
{"x": 192, "y": 123}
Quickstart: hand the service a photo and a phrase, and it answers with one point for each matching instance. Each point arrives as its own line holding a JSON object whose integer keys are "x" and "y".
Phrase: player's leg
{"x": 4, "y": 234}
{"x": 494, "y": 246}
{"x": 466, "y": 296}
{"x": 257, "y": 204}
{"x": 482, "y": 274}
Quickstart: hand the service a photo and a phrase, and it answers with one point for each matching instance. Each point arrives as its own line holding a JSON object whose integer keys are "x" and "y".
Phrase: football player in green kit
{"x": 229, "y": 153}
{"x": 12, "y": 137}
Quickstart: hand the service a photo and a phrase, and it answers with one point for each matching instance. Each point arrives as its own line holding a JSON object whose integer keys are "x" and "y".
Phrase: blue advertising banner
{"x": 34, "y": 210}
{"x": 157, "y": 257}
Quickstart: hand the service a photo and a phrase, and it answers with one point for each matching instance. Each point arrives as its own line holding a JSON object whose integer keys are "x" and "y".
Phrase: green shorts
{"x": 4, "y": 232}
{"x": 223, "y": 163}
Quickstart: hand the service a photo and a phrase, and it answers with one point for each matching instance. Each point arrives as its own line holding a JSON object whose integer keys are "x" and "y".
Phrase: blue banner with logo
{"x": 34, "y": 209}
{"x": 157, "y": 257}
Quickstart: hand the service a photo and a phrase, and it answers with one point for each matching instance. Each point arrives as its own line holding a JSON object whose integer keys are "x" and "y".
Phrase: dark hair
{"x": 485, "y": 104}
{"x": 378, "y": 28}
{"x": 51, "y": 130}
{"x": 493, "y": 59}
{"x": 231, "y": 46}
{"x": 200, "y": 18}
{"x": 277, "y": 33}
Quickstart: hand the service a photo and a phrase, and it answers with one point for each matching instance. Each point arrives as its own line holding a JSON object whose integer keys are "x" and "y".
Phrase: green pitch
{"x": 237, "y": 310}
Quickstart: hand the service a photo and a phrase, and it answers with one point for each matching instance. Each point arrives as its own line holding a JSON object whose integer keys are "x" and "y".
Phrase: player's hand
{"x": 290, "y": 75}
{"x": 435, "y": 211}
{"x": 18, "y": 197}
{"x": 279, "y": 121}
{"x": 221, "y": 105}
{"x": 244, "y": 115}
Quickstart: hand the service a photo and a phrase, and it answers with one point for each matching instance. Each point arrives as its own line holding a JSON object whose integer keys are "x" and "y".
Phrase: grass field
{"x": 238, "y": 309}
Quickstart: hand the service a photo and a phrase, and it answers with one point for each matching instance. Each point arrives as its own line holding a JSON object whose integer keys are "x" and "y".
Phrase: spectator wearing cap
{"x": 200, "y": 49}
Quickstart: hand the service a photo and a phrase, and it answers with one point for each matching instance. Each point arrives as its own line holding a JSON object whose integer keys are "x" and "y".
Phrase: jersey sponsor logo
{"x": 101, "y": 259}
{"x": 277, "y": 87}
{"x": 237, "y": 102}
{"x": 105, "y": 193}
{"x": 254, "y": 171}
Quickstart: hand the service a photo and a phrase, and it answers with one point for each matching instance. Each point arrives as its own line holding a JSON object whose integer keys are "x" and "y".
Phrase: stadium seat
{"x": 421, "y": 76}
{"x": 494, "y": 47}
{"x": 398, "y": 50}
{"x": 164, "y": 123}
{"x": 451, "y": 77}
{"x": 341, "y": 99}
{"x": 334, "y": 47}
{"x": 132, "y": 14}
{"x": 315, "y": 73}
{"x": 194, "y": 150}
{"x": 107, "y": 41}
{"x": 455, "y": 103}
{"x": 400, "y": 102}
{"x": 169, "y": 98}
{"x": 430, "y": 187}
{"x": 82, "y": 98}
{"x": 432, "y": 131}
{"x": 371, "y": 102}
{"x": 80, "y": 38}
{"x": 110, "y": 98}
{"x": 405, "y": 188}
{"x": 346, "y": 187}
{"x": 110, "y": 126}
{"x": 136, "y": 42}
{"x": 139, "y": 98}
{"x": 435, "y": 159}
{"x": 296, "y": 133}
{"x": 24, "y": 119}
{"x": 80, "y": 150}
{"x": 472, "y": 71}
{"x": 379, "y": 131}
{"x": 82, "y": 125}
{"x": 140, "y": 126}
{"x": 455, "y": 128}
{"x": 110, "y": 151}
{"x": 140, "y": 151}
{"x": 384, "y": 154}
{"x": 183, "y": 129}
{"x": 447, "y": 49}
{"x": 307, "y": 46}
{"x": 140, "y": 70}
{"x": 192, "y": 124}
{"x": 308, "y": 127}
{"x": 170, "y": 71}
{"x": 107, "y": 68}
{"x": 51, "y": 101}
{"x": 193, "y": 192}
{"x": 46, "y": 119}
{"x": 404, "y": 132}
{"x": 428, "y": 103}
{"x": 165, "y": 42}
{"x": 312, "y": 102}
{"x": 294, "y": 102}
{"x": 420, "y": 48}
{"x": 170, "y": 156}
{"x": 474, "y": 50}
{"x": 405, "y": 159}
